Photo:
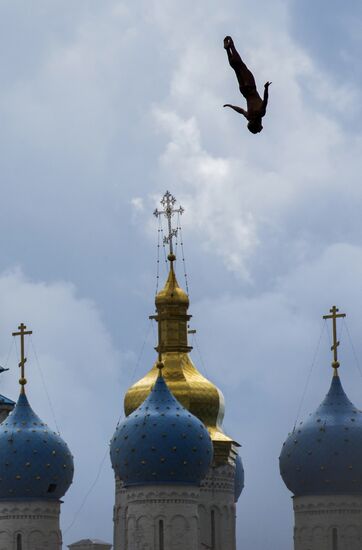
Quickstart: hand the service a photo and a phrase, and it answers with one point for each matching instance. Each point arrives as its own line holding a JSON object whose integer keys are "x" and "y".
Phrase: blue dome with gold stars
{"x": 324, "y": 454}
{"x": 161, "y": 442}
{"x": 35, "y": 462}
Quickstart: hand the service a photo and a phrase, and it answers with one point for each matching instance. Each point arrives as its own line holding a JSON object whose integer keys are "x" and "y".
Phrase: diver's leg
{"x": 243, "y": 74}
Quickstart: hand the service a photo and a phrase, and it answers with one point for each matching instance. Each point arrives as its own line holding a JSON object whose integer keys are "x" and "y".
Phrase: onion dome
{"x": 197, "y": 394}
{"x": 35, "y": 463}
{"x": 161, "y": 442}
{"x": 239, "y": 478}
{"x": 172, "y": 293}
{"x": 324, "y": 454}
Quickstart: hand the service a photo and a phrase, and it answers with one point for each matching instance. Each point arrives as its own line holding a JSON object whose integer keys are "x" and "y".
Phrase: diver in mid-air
{"x": 256, "y": 107}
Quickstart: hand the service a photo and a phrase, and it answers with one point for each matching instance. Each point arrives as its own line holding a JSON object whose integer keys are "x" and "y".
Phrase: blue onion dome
{"x": 35, "y": 463}
{"x": 239, "y": 478}
{"x": 324, "y": 454}
{"x": 161, "y": 442}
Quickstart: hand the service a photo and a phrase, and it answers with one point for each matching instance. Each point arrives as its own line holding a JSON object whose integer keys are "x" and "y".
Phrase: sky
{"x": 104, "y": 106}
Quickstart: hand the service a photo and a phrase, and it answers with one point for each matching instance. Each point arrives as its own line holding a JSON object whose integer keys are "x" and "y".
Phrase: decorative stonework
{"x": 222, "y": 479}
{"x": 328, "y": 522}
{"x": 143, "y": 515}
{"x": 211, "y": 507}
{"x": 35, "y": 522}
{"x": 217, "y": 511}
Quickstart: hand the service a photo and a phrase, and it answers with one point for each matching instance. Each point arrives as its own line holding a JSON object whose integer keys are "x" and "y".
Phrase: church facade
{"x": 178, "y": 475}
{"x": 170, "y": 494}
{"x": 158, "y": 506}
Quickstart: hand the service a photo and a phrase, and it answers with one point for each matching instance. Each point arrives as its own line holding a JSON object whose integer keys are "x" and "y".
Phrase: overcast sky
{"x": 104, "y": 106}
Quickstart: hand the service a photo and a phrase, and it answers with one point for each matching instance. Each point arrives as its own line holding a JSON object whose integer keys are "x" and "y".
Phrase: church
{"x": 178, "y": 475}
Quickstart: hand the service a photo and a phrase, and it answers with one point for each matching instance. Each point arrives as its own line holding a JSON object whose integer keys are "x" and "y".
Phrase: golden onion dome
{"x": 197, "y": 394}
{"x": 172, "y": 293}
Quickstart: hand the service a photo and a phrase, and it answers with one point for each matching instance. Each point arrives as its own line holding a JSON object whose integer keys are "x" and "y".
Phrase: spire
{"x": 22, "y": 332}
{"x": 160, "y": 364}
{"x": 168, "y": 201}
{"x": 334, "y": 315}
{"x": 172, "y": 301}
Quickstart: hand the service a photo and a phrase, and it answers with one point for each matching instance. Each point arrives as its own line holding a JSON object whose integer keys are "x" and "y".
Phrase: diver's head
{"x": 255, "y": 126}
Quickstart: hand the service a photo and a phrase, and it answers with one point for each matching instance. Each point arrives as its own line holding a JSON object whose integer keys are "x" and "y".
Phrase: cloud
{"x": 205, "y": 177}
{"x": 137, "y": 203}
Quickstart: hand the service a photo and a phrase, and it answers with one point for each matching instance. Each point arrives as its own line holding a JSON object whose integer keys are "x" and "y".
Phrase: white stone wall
{"x": 328, "y": 522}
{"x": 217, "y": 510}
{"x": 139, "y": 511}
{"x": 119, "y": 517}
{"x": 215, "y": 514}
{"x": 36, "y": 522}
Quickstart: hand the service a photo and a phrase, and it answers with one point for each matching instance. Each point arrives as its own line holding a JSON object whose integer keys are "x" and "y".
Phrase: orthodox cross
{"x": 22, "y": 332}
{"x": 168, "y": 211}
{"x": 334, "y": 315}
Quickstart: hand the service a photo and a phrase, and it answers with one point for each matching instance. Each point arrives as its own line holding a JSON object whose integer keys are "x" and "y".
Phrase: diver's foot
{"x": 228, "y": 42}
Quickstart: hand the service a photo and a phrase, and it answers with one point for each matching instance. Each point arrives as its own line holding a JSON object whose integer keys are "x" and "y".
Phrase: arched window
{"x": 161, "y": 536}
{"x": 213, "y": 538}
{"x": 19, "y": 542}
{"x": 334, "y": 539}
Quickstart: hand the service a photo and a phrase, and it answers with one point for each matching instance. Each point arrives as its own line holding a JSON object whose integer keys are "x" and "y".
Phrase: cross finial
{"x": 168, "y": 211}
{"x": 22, "y": 332}
{"x": 334, "y": 315}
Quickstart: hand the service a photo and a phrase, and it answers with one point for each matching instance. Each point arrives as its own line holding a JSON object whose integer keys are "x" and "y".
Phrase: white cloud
{"x": 137, "y": 203}
{"x": 212, "y": 197}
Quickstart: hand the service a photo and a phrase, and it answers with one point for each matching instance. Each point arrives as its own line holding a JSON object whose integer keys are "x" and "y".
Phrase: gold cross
{"x": 168, "y": 202}
{"x": 334, "y": 316}
{"x": 22, "y": 332}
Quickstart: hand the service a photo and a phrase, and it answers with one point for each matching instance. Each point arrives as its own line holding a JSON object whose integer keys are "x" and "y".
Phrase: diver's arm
{"x": 266, "y": 97}
{"x": 237, "y": 109}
